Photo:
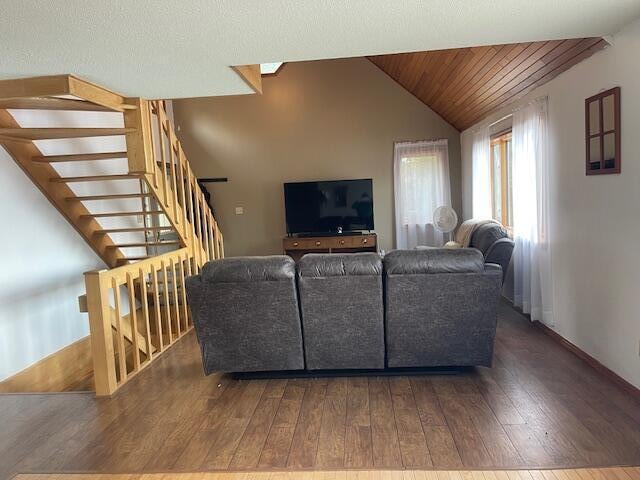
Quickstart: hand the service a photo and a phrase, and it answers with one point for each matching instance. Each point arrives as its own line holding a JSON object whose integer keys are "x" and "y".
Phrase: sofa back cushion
{"x": 337, "y": 265}
{"x": 434, "y": 260}
{"x": 249, "y": 269}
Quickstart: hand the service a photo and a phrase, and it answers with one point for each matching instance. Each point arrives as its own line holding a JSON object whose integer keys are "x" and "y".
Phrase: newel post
{"x": 139, "y": 141}
{"x": 98, "y": 307}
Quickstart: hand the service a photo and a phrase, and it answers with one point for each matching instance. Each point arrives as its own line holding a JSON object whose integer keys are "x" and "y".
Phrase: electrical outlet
{"x": 239, "y": 210}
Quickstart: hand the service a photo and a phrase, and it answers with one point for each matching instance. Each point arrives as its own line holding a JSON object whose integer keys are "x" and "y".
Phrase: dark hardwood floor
{"x": 538, "y": 407}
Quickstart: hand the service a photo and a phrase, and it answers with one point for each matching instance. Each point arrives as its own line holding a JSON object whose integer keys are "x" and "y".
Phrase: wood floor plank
{"x": 305, "y": 438}
{"x": 614, "y": 473}
{"x": 197, "y": 447}
{"x": 232, "y": 431}
{"x": 358, "y": 441}
{"x": 465, "y": 434}
{"x": 495, "y": 439}
{"x": 276, "y": 449}
{"x": 413, "y": 444}
{"x": 331, "y": 439}
{"x": 247, "y": 454}
{"x": 384, "y": 434}
{"x": 427, "y": 401}
{"x": 442, "y": 447}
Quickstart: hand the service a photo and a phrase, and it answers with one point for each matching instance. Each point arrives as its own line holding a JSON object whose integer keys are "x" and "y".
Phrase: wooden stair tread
{"x": 122, "y": 214}
{"x": 51, "y": 103}
{"x": 95, "y": 178}
{"x": 21, "y": 134}
{"x": 143, "y": 244}
{"x": 80, "y": 157}
{"x": 115, "y": 196}
{"x": 133, "y": 229}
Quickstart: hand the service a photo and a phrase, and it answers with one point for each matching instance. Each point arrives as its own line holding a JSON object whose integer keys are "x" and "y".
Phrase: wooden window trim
{"x": 501, "y": 139}
{"x": 615, "y": 92}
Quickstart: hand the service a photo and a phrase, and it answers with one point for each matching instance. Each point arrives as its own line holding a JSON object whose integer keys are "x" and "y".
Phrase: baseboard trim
{"x": 592, "y": 362}
{"x": 70, "y": 368}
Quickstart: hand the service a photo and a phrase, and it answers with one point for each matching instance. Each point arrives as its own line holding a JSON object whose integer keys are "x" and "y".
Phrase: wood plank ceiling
{"x": 465, "y": 85}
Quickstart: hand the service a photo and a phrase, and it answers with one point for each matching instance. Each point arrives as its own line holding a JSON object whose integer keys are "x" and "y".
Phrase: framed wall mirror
{"x": 602, "y": 132}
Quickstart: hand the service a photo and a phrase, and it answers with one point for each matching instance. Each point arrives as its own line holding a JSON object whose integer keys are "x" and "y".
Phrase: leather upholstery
{"x": 245, "y": 314}
{"x": 433, "y": 260}
{"x": 335, "y": 265}
{"x": 342, "y": 311}
{"x": 494, "y": 243}
{"x": 440, "y": 315}
{"x": 249, "y": 269}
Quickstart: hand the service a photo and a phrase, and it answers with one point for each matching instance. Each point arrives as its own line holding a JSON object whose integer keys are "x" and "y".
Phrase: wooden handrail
{"x": 153, "y": 150}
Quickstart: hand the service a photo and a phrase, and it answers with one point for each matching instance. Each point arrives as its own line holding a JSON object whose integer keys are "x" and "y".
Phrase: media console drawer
{"x": 297, "y": 247}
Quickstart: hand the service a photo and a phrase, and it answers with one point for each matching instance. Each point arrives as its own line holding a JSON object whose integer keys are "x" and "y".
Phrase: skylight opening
{"x": 269, "y": 68}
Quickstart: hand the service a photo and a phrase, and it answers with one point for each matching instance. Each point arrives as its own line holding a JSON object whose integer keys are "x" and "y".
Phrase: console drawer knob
{"x": 317, "y": 244}
{"x": 341, "y": 242}
{"x": 364, "y": 240}
{"x": 295, "y": 244}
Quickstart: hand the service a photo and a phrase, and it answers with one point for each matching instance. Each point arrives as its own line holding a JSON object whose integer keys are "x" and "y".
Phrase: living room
{"x": 391, "y": 252}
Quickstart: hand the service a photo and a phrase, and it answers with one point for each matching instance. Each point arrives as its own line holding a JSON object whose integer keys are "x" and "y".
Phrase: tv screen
{"x": 329, "y": 206}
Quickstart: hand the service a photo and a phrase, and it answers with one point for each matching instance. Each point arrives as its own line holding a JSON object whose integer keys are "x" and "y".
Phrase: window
{"x": 421, "y": 183}
{"x": 602, "y": 132}
{"x": 502, "y": 179}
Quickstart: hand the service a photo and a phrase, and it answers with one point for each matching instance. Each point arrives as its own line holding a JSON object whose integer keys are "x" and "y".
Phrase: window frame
{"x": 501, "y": 138}
{"x": 601, "y": 132}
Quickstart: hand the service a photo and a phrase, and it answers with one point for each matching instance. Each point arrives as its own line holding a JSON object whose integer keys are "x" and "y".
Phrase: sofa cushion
{"x": 249, "y": 269}
{"x": 335, "y": 265}
{"x": 434, "y": 260}
{"x": 486, "y": 235}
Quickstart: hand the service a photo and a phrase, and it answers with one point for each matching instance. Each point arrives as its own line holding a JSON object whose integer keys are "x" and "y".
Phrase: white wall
{"x": 43, "y": 259}
{"x": 595, "y": 220}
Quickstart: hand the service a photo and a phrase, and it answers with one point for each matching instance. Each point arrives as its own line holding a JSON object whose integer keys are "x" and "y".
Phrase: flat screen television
{"x": 328, "y": 207}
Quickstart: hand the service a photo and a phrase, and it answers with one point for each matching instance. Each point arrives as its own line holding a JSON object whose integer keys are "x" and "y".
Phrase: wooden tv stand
{"x": 295, "y": 247}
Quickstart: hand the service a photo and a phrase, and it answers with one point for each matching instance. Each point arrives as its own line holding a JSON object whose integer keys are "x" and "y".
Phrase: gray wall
{"x": 332, "y": 119}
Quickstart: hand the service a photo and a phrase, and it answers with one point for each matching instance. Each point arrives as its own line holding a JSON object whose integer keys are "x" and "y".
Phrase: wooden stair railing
{"x": 172, "y": 207}
{"x": 160, "y": 315}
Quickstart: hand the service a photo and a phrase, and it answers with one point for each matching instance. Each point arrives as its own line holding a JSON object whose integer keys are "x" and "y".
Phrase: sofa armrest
{"x": 500, "y": 253}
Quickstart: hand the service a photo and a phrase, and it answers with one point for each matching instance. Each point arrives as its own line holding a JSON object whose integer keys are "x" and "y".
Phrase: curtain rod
{"x": 501, "y": 119}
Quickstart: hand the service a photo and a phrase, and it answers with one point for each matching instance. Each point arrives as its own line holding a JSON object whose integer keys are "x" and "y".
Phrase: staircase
{"x": 114, "y": 168}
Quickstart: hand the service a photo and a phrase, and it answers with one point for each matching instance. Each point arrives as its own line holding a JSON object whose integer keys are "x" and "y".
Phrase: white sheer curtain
{"x": 481, "y": 174}
{"x": 421, "y": 180}
{"x": 532, "y": 255}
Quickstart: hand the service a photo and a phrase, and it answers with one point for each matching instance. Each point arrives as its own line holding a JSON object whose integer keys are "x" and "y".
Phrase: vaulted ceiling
{"x": 464, "y": 85}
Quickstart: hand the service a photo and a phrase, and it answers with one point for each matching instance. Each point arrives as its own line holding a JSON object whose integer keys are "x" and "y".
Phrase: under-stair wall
{"x": 115, "y": 169}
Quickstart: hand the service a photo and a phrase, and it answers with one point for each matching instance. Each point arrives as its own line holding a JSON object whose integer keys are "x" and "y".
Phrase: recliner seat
{"x": 440, "y": 307}
{"x": 245, "y": 314}
{"x": 342, "y": 311}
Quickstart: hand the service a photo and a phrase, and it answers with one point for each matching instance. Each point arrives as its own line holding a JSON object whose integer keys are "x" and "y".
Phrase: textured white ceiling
{"x": 172, "y": 49}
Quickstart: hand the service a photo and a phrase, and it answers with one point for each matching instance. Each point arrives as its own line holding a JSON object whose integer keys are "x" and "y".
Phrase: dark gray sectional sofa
{"x": 414, "y": 308}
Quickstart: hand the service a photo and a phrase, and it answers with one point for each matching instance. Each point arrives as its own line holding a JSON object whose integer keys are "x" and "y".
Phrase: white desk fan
{"x": 445, "y": 220}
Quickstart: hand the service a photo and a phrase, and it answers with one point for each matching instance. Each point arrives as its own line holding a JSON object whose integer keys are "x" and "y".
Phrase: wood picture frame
{"x": 602, "y": 133}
